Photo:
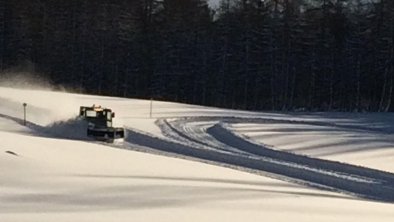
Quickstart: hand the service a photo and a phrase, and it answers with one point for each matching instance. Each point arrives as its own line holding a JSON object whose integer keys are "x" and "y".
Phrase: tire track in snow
{"x": 261, "y": 120}
{"x": 196, "y": 136}
{"x": 360, "y": 181}
{"x": 235, "y": 141}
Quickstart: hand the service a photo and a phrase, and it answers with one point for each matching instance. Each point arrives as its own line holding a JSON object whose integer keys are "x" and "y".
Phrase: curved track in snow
{"x": 208, "y": 139}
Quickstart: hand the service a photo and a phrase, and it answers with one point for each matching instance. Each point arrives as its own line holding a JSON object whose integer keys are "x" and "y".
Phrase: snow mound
{"x": 74, "y": 128}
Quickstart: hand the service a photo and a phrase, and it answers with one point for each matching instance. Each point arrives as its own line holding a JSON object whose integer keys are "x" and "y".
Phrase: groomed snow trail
{"x": 208, "y": 139}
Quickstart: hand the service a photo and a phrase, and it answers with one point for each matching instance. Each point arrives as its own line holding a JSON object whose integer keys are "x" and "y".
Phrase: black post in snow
{"x": 151, "y": 104}
{"x": 24, "y": 114}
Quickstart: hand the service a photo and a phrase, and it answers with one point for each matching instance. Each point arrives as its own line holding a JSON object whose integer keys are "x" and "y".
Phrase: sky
{"x": 213, "y": 3}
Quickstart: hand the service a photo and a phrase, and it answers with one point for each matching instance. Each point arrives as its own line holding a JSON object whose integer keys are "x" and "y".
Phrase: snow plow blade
{"x": 106, "y": 134}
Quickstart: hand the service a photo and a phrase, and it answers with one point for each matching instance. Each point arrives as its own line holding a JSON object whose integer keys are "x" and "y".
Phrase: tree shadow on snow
{"x": 152, "y": 192}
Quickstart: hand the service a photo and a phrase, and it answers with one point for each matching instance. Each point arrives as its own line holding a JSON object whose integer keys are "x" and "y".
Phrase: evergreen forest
{"x": 273, "y": 55}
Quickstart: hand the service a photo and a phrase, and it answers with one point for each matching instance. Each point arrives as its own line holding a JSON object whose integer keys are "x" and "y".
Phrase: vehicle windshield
{"x": 91, "y": 113}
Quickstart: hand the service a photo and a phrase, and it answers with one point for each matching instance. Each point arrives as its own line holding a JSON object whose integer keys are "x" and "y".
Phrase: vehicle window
{"x": 91, "y": 113}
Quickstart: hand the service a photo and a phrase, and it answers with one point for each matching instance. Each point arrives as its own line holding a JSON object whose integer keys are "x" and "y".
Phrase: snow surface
{"x": 50, "y": 172}
{"x": 359, "y": 139}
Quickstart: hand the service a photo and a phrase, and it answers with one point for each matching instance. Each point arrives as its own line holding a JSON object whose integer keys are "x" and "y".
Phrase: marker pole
{"x": 24, "y": 114}
{"x": 151, "y": 108}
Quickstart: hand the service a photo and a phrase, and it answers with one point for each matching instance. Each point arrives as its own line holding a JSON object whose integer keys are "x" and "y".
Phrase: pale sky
{"x": 213, "y": 3}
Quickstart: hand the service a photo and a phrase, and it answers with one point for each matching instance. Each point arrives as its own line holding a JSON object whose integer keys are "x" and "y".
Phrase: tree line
{"x": 312, "y": 55}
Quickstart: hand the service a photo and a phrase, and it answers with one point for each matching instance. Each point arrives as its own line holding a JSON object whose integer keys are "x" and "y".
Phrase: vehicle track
{"x": 191, "y": 139}
{"x": 195, "y": 135}
{"x": 208, "y": 139}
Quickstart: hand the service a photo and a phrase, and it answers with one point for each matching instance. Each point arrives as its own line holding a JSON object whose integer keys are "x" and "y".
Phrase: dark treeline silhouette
{"x": 329, "y": 55}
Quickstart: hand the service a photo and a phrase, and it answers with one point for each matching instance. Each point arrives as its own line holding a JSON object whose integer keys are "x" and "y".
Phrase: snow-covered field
{"x": 191, "y": 163}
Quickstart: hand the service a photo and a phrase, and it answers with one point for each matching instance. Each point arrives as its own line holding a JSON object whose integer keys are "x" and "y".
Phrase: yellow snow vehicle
{"x": 100, "y": 123}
